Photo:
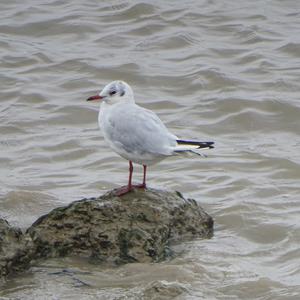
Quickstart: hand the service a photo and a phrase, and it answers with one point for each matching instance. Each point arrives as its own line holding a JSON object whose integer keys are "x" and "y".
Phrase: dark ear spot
{"x": 121, "y": 88}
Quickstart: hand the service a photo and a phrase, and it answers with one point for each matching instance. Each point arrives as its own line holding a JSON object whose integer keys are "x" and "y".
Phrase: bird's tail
{"x": 190, "y": 146}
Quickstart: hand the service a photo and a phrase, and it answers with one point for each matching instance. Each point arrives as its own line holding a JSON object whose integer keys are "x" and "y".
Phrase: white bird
{"x": 135, "y": 133}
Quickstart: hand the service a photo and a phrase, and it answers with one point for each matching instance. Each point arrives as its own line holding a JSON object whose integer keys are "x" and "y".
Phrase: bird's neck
{"x": 106, "y": 107}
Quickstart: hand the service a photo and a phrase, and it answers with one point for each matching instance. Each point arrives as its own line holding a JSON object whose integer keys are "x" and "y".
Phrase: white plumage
{"x": 135, "y": 133}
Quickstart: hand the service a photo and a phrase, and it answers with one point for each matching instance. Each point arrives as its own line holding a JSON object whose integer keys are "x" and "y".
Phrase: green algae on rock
{"x": 16, "y": 251}
{"x": 137, "y": 227}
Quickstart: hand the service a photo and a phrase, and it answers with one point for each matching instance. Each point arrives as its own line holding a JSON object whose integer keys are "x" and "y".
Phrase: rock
{"x": 137, "y": 227}
{"x": 16, "y": 250}
{"x": 160, "y": 290}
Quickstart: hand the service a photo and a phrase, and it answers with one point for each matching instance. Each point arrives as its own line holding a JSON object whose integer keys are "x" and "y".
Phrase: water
{"x": 226, "y": 71}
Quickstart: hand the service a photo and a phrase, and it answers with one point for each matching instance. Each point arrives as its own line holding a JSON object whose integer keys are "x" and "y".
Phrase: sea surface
{"x": 226, "y": 71}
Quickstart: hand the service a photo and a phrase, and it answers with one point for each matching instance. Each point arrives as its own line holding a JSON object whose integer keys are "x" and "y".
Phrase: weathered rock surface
{"x": 137, "y": 227}
{"x": 16, "y": 251}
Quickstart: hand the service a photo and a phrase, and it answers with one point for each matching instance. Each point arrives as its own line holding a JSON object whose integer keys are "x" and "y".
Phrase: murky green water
{"x": 226, "y": 71}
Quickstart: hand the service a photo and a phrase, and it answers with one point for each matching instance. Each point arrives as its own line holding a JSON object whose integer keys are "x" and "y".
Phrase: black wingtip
{"x": 210, "y": 145}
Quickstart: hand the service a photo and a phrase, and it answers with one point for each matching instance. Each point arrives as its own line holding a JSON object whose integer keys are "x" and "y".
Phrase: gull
{"x": 135, "y": 133}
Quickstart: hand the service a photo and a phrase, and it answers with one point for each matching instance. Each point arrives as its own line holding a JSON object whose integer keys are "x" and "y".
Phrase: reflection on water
{"x": 221, "y": 70}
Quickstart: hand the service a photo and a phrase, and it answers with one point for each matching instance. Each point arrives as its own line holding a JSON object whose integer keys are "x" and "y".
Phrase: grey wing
{"x": 140, "y": 130}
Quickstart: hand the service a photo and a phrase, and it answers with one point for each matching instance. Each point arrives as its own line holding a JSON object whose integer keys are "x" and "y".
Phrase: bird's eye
{"x": 112, "y": 93}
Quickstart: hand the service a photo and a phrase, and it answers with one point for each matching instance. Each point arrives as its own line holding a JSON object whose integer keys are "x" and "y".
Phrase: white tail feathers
{"x": 180, "y": 148}
{"x": 183, "y": 146}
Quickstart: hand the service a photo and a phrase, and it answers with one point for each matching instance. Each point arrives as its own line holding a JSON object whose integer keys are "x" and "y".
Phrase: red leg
{"x": 125, "y": 189}
{"x": 130, "y": 175}
{"x": 142, "y": 185}
{"x": 144, "y": 177}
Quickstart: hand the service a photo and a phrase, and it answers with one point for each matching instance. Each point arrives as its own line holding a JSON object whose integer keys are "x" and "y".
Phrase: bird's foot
{"x": 126, "y": 189}
{"x": 123, "y": 190}
{"x": 139, "y": 186}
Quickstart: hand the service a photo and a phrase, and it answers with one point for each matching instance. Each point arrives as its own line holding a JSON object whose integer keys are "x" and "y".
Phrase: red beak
{"x": 94, "y": 98}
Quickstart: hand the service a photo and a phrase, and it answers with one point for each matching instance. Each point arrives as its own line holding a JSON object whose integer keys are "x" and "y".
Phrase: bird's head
{"x": 116, "y": 91}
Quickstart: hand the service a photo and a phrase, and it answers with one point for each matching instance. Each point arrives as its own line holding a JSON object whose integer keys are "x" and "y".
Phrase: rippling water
{"x": 222, "y": 70}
